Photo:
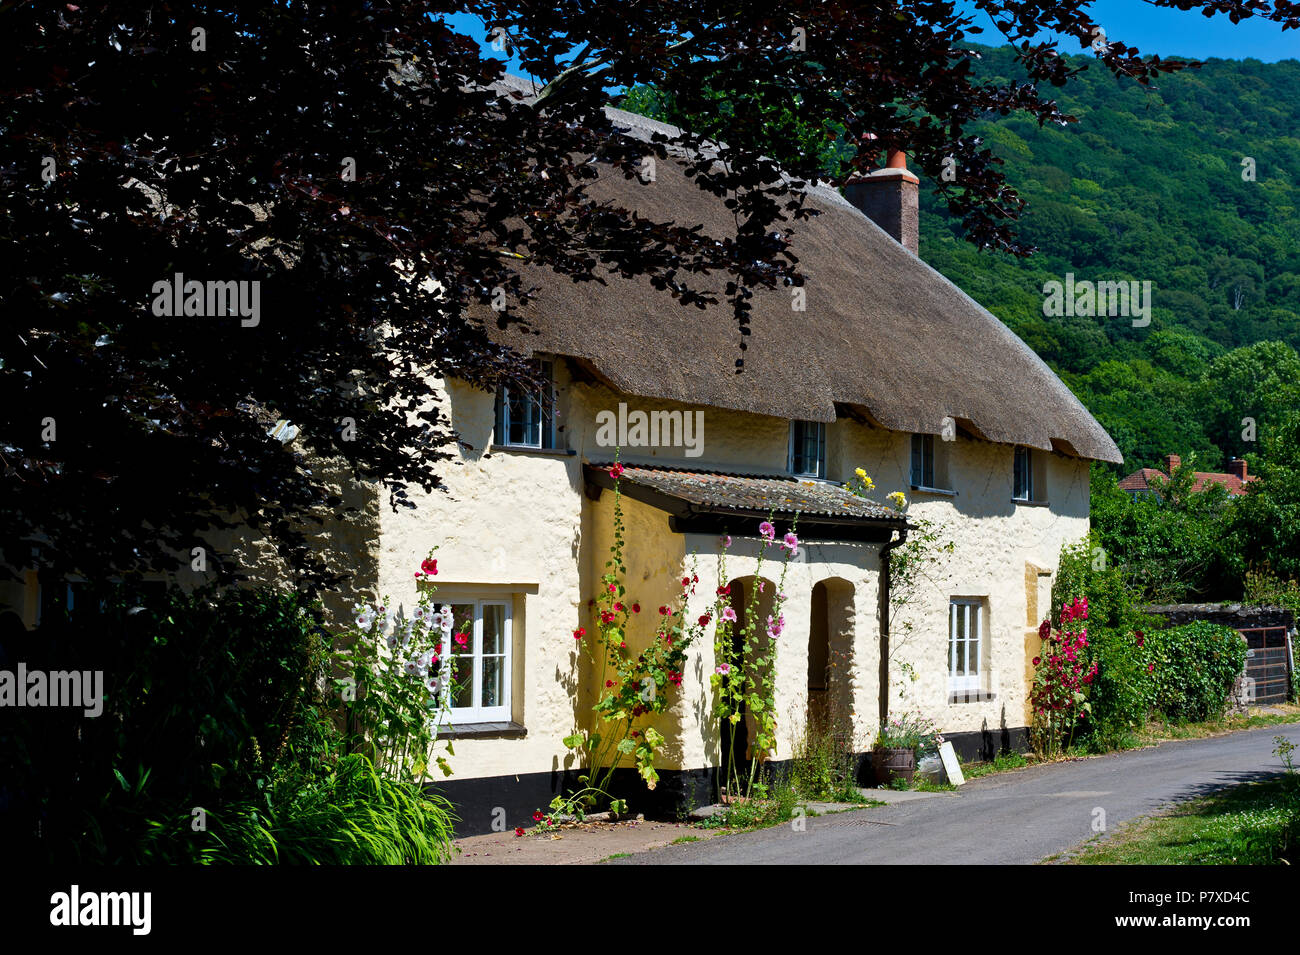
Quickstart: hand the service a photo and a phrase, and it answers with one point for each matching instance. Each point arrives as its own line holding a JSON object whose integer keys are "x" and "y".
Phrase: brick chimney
{"x": 888, "y": 197}
{"x": 1238, "y": 467}
{"x": 1172, "y": 462}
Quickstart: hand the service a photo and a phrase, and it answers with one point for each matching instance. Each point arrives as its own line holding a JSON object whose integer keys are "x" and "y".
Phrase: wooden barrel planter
{"x": 891, "y": 764}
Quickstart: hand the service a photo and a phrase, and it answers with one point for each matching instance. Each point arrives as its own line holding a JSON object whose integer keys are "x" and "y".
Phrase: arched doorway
{"x": 830, "y": 657}
{"x": 752, "y": 599}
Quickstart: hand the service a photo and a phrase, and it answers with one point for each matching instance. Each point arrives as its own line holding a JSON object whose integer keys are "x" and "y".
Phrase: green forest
{"x": 1193, "y": 186}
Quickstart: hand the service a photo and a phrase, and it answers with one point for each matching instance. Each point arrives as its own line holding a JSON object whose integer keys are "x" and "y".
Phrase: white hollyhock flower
{"x": 420, "y": 613}
{"x": 365, "y": 619}
{"x": 445, "y": 625}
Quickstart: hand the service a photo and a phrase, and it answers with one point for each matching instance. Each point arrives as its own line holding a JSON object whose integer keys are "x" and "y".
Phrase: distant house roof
{"x": 1140, "y": 480}
{"x": 694, "y": 495}
{"x": 883, "y": 333}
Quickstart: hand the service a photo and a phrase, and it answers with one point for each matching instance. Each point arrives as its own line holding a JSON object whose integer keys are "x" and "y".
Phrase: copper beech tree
{"x": 220, "y": 215}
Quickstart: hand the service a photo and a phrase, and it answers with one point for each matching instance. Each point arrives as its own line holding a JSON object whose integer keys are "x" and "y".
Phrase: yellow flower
{"x": 861, "y": 473}
{"x": 899, "y": 500}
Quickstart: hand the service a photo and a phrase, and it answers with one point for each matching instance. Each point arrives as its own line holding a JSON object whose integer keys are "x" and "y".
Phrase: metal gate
{"x": 1268, "y": 662}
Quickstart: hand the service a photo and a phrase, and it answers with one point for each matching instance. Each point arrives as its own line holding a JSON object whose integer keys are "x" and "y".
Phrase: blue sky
{"x": 1151, "y": 29}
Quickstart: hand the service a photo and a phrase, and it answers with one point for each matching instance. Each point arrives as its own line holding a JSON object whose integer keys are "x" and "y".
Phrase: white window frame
{"x": 467, "y": 715}
{"x": 970, "y": 610}
{"x": 821, "y": 449}
{"x": 545, "y": 405}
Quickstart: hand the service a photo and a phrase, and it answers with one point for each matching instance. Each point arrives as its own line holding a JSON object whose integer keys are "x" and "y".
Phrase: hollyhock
{"x": 613, "y": 588}
{"x": 579, "y": 633}
{"x": 618, "y": 607}
{"x": 1037, "y": 660}
{"x": 686, "y": 581}
{"x": 767, "y": 530}
{"x": 609, "y": 683}
{"x": 724, "y": 591}
{"x": 704, "y": 619}
{"x": 791, "y": 543}
{"x": 636, "y": 608}
{"x": 537, "y": 817}
{"x": 1141, "y": 638}
{"x": 429, "y": 566}
{"x": 664, "y": 611}
{"x": 461, "y": 639}
{"x": 722, "y": 669}
{"x": 519, "y": 830}
{"x": 1044, "y": 630}
{"x": 729, "y": 615}
{"x": 616, "y": 471}
{"x": 675, "y": 677}
{"x": 1151, "y": 668}
{"x": 725, "y": 541}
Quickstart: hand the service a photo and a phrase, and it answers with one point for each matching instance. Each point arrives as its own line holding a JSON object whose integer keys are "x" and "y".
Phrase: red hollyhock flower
{"x": 429, "y": 566}
{"x": 664, "y": 611}
{"x": 1037, "y": 660}
{"x": 613, "y": 588}
{"x": 618, "y": 607}
{"x": 636, "y": 608}
{"x": 686, "y": 581}
{"x": 616, "y": 471}
{"x": 519, "y": 830}
{"x": 724, "y": 591}
{"x": 579, "y": 633}
{"x": 1141, "y": 638}
{"x": 537, "y": 817}
{"x": 1151, "y": 668}
{"x": 1044, "y": 630}
{"x": 606, "y": 617}
{"x": 704, "y": 619}
{"x": 609, "y": 683}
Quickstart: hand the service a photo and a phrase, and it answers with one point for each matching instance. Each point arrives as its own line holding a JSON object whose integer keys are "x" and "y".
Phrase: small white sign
{"x": 951, "y": 768}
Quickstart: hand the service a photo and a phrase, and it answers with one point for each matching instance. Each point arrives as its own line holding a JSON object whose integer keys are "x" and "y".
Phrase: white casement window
{"x": 1023, "y": 488}
{"x": 481, "y": 645}
{"x": 965, "y": 645}
{"x": 808, "y": 449}
{"x": 526, "y": 417}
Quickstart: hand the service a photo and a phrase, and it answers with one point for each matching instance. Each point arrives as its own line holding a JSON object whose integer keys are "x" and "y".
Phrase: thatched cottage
{"x": 889, "y": 368}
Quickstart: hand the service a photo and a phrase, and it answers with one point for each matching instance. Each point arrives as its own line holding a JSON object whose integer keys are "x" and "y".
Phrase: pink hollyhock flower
{"x": 722, "y": 669}
{"x": 767, "y": 530}
{"x": 729, "y": 615}
{"x": 1151, "y": 668}
{"x": 725, "y": 541}
{"x": 462, "y": 638}
{"x": 618, "y": 607}
{"x": 791, "y": 542}
{"x": 612, "y": 588}
{"x": 429, "y": 566}
{"x": 616, "y": 471}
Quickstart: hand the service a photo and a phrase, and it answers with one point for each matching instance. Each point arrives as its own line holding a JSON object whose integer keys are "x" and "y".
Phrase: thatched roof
{"x": 882, "y": 333}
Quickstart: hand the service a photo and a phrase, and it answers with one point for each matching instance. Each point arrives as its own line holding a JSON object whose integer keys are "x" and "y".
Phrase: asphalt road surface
{"x": 1009, "y": 818}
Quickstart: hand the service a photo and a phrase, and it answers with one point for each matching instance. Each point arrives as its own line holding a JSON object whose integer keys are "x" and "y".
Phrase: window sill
{"x": 944, "y": 491}
{"x": 541, "y": 452}
{"x": 970, "y": 696}
{"x": 506, "y": 730}
{"x": 1015, "y": 500}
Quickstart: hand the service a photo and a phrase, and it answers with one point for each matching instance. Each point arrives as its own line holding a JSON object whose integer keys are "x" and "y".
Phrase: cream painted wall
{"x": 519, "y": 523}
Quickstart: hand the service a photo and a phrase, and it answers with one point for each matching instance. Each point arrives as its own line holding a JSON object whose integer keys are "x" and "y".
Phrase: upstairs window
{"x": 1029, "y": 481}
{"x": 808, "y": 449}
{"x": 923, "y": 460}
{"x": 526, "y": 417}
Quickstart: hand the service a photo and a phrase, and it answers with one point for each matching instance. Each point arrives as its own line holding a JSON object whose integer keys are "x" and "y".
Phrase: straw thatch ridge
{"x": 882, "y": 331}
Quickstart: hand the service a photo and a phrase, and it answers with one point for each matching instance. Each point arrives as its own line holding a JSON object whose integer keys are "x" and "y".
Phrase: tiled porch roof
{"x": 718, "y": 492}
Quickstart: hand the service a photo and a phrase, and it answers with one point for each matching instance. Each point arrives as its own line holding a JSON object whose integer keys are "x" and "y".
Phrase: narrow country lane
{"x": 1008, "y": 819}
